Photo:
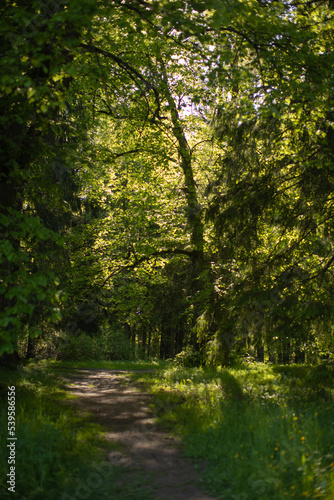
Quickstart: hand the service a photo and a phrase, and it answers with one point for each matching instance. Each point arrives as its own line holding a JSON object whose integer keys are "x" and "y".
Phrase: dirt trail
{"x": 124, "y": 413}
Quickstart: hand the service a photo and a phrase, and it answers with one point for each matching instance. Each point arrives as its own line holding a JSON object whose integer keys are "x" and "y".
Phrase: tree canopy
{"x": 167, "y": 176}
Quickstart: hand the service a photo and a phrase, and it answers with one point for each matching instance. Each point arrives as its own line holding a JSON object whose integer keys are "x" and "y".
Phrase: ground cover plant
{"x": 264, "y": 431}
{"x": 140, "y": 364}
{"x": 59, "y": 454}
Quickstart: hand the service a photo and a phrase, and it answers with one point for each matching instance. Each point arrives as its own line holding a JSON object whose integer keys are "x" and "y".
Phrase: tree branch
{"x": 129, "y": 69}
{"x": 146, "y": 258}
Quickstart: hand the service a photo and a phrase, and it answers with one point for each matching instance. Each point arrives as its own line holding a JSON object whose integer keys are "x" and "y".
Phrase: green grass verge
{"x": 50, "y": 364}
{"x": 265, "y": 432}
{"x": 59, "y": 455}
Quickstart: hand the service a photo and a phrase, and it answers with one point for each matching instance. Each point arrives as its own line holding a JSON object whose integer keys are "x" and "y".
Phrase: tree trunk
{"x": 166, "y": 342}
{"x": 285, "y": 352}
{"x": 149, "y": 339}
{"x": 260, "y": 354}
{"x": 194, "y": 216}
{"x": 299, "y": 355}
{"x": 272, "y": 357}
{"x": 30, "y": 348}
{"x": 201, "y": 269}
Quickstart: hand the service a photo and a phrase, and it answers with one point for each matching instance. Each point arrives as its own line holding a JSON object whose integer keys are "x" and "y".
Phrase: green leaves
{"x": 270, "y": 202}
{"x": 39, "y": 43}
{"x": 24, "y": 285}
{"x": 107, "y": 135}
{"x": 161, "y": 77}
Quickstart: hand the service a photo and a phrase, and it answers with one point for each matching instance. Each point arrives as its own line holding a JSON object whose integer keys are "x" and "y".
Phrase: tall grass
{"x": 265, "y": 432}
{"x": 59, "y": 454}
{"x": 140, "y": 364}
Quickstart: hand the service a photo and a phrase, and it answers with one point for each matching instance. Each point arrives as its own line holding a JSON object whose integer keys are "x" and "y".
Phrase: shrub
{"x": 109, "y": 345}
{"x": 189, "y": 358}
{"x": 117, "y": 346}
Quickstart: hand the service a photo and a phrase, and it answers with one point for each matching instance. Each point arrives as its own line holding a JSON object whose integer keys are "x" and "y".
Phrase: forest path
{"x": 124, "y": 413}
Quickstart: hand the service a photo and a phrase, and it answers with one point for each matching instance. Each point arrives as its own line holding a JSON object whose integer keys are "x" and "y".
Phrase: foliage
{"x": 38, "y": 44}
{"x": 188, "y": 358}
{"x": 184, "y": 151}
{"x": 107, "y": 346}
{"x": 262, "y": 430}
{"x": 27, "y": 283}
{"x": 139, "y": 364}
{"x": 271, "y": 200}
{"x": 59, "y": 454}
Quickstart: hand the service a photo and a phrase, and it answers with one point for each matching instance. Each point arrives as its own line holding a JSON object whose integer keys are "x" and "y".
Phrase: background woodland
{"x": 167, "y": 178}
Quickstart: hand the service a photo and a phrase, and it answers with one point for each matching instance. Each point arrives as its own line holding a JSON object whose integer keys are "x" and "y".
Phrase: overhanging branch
{"x": 146, "y": 258}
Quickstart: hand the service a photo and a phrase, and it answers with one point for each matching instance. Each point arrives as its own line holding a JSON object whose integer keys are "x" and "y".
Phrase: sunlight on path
{"x": 125, "y": 414}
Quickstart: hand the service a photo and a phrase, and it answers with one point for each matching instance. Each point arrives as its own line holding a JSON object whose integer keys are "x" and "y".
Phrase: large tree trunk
{"x": 200, "y": 263}
{"x": 195, "y": 222}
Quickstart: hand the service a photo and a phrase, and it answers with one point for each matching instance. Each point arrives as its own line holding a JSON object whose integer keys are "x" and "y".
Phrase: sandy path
{"x": 124, "y": 412}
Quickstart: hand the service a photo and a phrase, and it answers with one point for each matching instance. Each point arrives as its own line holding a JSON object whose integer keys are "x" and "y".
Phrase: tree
{"x": 38, "y": 44}
{"x": 190, "y": 149}
{"x": 153, "y": 98}
{"x": 273, "y": 196}
{"x": 141, "y": 136}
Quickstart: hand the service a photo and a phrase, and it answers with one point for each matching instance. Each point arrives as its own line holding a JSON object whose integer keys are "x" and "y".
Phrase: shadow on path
{"x": 124, "y": 413}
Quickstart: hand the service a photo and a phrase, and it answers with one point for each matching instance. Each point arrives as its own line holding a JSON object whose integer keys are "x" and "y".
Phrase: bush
{"x": 117, "y": 346}
{"x": 189, "y": 358}
{"x": 109, "y": 345}
{"x": 79, "y": 348}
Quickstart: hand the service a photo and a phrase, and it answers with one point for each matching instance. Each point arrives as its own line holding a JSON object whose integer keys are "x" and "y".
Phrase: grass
{"x": 50, "y": 364}
{"x": 264, "y": 431}
{"x": 59, "y": 454}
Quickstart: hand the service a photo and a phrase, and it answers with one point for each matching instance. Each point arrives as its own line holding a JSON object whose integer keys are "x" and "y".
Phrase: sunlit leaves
{"x": 273, "y": 204}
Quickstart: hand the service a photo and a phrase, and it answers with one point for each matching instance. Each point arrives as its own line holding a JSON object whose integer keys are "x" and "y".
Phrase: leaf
{"x": 44, "y": 108}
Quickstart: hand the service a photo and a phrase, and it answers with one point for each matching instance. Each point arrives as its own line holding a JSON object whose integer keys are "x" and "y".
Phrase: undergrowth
{"x": 50, "y": 364}
{"x": 59, "y": 454}
{"x": 264, "y": 431}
